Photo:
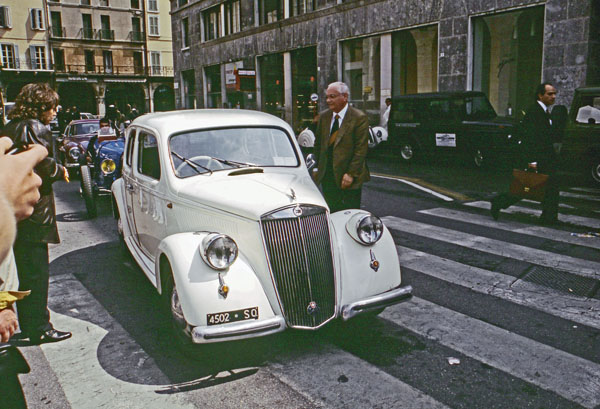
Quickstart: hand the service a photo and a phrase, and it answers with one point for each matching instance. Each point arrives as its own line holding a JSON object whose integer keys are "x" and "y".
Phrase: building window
{"x": 152, "y": 5}
{"x": 8, "y": 56}
{"x": 232, "y": 17}
{"x": 5, "y": 17}
{"x": 212, "y": 23}
{"x": 103, "y": 3}
{"x": 302, "y": 6}
{"x": 155, "y": 62}
{"x": 38, "y": 57}
{"x": 59, "y": 59}
{"x": 90, "y": 64}
{"x": 272, "y": 84}
{"x": 270, "y": 11}
{"x": 105, "y": 32}
{"x": 135, "y": 4}
{"x": 87, "y": 32}
{"x": 153, "y": 25}
{"x": 108, "y": 61}
{"x": 37, "y": 19}
{"x": 85, "y": 2}
{"x": 138, "y": 64}
{"x": 185, "y": 33}
{"x": 182, "y": 2}
{"x": 56, "y": 20}
{"x": 361, "y": 62}
{"x": 189, "y": 89}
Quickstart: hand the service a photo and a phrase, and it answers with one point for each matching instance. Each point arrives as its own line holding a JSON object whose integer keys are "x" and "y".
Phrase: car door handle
{"x": 130, "y": 187}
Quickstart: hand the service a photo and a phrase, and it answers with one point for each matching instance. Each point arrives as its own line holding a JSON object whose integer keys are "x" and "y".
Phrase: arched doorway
{"x": 164, "y": 98}
{"x": 121, "y": 94}
{"x": 81, "y": 95}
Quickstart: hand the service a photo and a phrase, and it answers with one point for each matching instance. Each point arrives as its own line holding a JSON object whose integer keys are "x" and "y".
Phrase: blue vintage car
{"x": 98, "y": 176}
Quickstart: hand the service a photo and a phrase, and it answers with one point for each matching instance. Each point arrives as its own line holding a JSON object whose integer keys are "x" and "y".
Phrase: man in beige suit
{"x": 341, "y": 144}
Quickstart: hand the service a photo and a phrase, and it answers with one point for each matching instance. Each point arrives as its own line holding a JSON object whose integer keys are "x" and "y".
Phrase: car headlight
{"x": 218, "y": 251}
{"x": 74, "y": 153}
{"x": 108, "y": 166}
{"x": 365, "y": 228}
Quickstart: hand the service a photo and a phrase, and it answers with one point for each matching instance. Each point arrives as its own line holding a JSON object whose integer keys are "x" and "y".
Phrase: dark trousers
{"x": 549, "y": 203}
{"x": 338, "y": 199}
{"x": 34, "y": 275}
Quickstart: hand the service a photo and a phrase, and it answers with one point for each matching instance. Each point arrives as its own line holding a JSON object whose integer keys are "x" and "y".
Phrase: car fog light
{"x": 108, "y": 166}
{"x": 74, "y": 154}
{"x": 369, "y": 229}
{"x": 218, "y": 251}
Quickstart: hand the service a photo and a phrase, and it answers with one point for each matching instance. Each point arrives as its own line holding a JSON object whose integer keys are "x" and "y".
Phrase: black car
{"x": 451, "y": 123}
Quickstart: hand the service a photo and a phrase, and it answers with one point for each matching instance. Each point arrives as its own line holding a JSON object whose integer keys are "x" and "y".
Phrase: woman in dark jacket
{"x": 35, "y": 107}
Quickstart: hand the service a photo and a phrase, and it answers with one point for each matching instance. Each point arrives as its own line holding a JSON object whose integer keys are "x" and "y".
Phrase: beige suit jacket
{"x": 349, "y": 149}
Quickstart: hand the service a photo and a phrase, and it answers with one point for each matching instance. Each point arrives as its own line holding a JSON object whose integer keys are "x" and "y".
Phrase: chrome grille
{"x": 299, "y": 254}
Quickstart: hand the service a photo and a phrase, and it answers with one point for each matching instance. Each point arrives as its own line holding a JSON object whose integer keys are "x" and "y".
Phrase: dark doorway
{"x": 81, "y": 95}
{"x": 304, "y": 85}
{"x": 164, "y": 98}
{"x": 121, "y": 94}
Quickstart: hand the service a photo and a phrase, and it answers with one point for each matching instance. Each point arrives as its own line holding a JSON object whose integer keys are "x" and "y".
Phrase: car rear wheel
{"x": 87, "y": 191}
{"x": 595, "y": 170}
{"x": 407, "y": 150}
{"x": 478, "y": 158}
{"x": 172, "y": 306}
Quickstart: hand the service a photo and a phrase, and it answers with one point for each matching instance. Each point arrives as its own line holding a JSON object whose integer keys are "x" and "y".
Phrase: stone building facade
{"x": 279, "y": 55}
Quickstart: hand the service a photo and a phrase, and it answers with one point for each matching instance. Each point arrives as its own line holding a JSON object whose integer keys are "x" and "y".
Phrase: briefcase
{"x": 528, "y": 185}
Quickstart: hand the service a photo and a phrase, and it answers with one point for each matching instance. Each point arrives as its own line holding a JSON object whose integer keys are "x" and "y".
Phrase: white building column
{"x": 385, "y": 80}
{"x": 287, "y": 84}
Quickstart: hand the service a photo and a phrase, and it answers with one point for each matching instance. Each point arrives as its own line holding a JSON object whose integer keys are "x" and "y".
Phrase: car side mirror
{"x": 310, "y": 162}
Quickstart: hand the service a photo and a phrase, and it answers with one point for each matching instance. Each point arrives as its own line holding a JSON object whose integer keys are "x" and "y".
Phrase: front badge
{"x": 312, "y": 308}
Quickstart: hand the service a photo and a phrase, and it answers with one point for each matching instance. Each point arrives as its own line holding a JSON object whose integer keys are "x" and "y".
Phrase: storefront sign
{"x": 314, "y": 97}
{"x": 247, "y": 73}
{"x": 367, "y": 90}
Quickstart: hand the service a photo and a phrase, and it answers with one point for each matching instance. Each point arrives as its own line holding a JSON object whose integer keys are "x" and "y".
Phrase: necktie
{"x": 548, "y": 116}
{"x": 334, "y": 129}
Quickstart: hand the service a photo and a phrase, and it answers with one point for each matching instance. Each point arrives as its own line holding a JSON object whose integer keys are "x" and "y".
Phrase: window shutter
{"x": 40, "y": 19}
{"x": 5, "y": 16}
{"x": 32, "y": 18}
{"x": 17, "y": 56}
{"x": 34, "y": 64}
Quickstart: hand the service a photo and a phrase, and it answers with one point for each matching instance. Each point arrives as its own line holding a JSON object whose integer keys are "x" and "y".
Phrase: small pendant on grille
{"x": 297, "y": 211}
{"x": 312, "y": 308}
{"x": 374, "y": 264}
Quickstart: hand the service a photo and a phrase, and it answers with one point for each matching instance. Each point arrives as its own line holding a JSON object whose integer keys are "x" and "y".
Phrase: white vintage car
{"x": 218, "y": 209}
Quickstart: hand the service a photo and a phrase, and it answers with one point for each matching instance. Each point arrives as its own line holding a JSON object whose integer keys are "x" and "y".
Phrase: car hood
{"x": 251, "y": 195}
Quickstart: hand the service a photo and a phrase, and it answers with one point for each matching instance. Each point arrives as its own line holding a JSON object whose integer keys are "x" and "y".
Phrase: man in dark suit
{"x": 341, "y": 145}
{"x": 540, "y": 136}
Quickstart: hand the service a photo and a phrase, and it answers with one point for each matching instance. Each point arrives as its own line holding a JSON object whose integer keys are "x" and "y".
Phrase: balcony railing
{"x": 106, "y": 34}
{"x": 136, "y": 36}
{"x": 87, "y": 33}
{"x": 25, "y": 64}
{"x": 58, "y": 32}
{"x": 114, "y": 70}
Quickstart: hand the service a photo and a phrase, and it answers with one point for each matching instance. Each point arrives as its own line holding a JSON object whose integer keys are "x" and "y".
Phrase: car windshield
{"x": 475, "y": 108}
{"x": 87, "y": 128}
{"x": 206, "y": 151}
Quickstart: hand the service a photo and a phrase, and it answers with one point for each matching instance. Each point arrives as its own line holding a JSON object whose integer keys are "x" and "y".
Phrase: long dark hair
{"x": 33, "y": 100}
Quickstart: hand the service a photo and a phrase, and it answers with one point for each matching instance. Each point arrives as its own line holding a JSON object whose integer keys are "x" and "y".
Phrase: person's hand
{"x": 66, "y": 175}
{"x": 347, "y": 181}
{"x": 8, "y": 324}
{"x": 18, "y": 182}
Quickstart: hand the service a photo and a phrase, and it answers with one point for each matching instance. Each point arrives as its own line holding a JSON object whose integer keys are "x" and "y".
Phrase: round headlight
{"x": 218, "y": 251}
{"x": 369, "y": 229}
{"x": 74, "y": 153}
{"x": 108, "y": 166}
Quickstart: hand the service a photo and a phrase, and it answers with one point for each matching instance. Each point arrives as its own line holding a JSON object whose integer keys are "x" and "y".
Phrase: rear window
{"x": 87, "y": 128}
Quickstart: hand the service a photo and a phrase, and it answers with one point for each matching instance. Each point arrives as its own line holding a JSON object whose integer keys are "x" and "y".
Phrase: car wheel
{"x": 87, "y": 191}
{"x": 172, "y": 306}
{"x": 478, "y": 158}
{"x": 407, "y": 150}
{"x": 595, "y": 170}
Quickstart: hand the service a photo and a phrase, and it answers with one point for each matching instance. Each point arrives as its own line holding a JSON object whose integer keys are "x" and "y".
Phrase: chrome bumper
{"x": 238, "y": 330}
{"x": 395, "y": 296}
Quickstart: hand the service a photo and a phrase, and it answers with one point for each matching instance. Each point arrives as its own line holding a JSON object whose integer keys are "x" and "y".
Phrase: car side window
{"x": 148, "y": 163}
{"x": 403, "y": 111}
{"x": 130, "y": 143}
{"x": 439, "y": 109}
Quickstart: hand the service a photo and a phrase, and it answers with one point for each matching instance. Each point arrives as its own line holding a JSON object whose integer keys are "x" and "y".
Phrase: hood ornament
{"x": 293, "y": 194}
{"x": 312, "y": 308}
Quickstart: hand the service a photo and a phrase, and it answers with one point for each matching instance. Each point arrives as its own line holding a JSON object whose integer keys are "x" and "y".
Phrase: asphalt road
{"x": 505, "y": 315}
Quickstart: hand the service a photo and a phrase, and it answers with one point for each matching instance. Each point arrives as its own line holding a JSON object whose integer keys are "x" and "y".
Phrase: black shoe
{"x": 51, "y": 335}
{"x": 495, "y": 210}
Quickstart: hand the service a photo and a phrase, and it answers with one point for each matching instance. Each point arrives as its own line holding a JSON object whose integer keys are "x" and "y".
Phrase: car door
{"x": 439, "y": 129}
{"x": 147, "y": 201}
{"x": 129, "y": 183}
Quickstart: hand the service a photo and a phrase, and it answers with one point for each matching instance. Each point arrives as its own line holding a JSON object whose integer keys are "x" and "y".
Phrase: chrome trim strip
{"x": 238, "y": 330}
{"x": 395, "y": 296}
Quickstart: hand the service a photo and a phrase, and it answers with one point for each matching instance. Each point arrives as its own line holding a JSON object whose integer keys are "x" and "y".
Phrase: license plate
{"x": 232, "y": 316}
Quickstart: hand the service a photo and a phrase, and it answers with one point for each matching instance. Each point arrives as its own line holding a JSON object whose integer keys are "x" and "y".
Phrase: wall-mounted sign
{"x": 247, "y": 73}
{"x": 314, "y": 97}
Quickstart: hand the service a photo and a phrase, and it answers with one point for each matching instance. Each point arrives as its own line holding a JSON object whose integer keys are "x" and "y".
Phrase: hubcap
{"x": 407, "y": 152}
{"x": 596, "y": 172}
{"x": 176, "y": 310}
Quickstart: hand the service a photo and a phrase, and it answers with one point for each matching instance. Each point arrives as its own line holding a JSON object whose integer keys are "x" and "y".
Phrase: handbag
{"x": 528, "y": 185}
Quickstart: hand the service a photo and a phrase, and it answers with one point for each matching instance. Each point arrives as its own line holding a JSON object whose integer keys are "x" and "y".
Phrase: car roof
{"x": 84, "y": 121}
{"x": 588, "y": 90}
{"x": 442, "y": 94}
{"x": 172, "y": 122}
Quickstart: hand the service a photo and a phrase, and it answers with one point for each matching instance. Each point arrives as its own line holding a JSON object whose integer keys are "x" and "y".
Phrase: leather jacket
{"x": 41, "y": 226}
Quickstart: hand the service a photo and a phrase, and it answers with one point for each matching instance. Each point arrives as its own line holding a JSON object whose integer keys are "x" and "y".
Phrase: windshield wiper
{"x": 193, "y": 165}
{"x": 233, "y": 162}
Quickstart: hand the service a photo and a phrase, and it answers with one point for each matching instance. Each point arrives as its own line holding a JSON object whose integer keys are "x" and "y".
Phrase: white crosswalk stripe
{"x": 565, "y": 218}
{"x": 573, "y": 265}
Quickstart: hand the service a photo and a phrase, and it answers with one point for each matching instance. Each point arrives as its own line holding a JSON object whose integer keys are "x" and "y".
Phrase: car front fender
{"x": 198, "y": 284}
{"x": 364, "y": 271}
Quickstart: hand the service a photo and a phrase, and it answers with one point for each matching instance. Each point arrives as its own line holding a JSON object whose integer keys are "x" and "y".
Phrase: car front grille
{"x": 299, "y": 251}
